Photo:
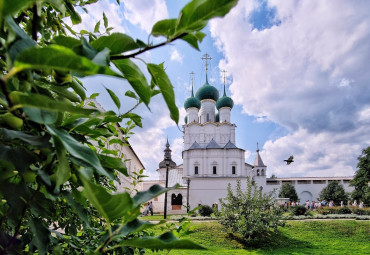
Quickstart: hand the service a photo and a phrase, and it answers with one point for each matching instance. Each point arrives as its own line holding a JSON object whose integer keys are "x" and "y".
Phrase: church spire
{"x": 258, "y": 160}
{"x": 224, "y": 71}
{"x": 167, "y": 156}
{"x": 192, "y": 84}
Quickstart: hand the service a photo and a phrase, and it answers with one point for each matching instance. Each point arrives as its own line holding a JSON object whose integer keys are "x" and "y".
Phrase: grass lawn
{"x": 297, "y": 237}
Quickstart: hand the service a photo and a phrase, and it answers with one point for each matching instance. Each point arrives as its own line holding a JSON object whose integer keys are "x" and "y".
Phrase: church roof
{"x": 195, "y": 146}
{"x": 258, "y": 160}
{"x": 213, "y": 145}
{"x": 230, "y": 145}
{"x": 207, "y": 92}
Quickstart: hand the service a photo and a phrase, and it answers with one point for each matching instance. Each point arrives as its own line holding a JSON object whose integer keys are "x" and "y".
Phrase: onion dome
{"x": 217, "y": 118}
{"x": 192, "y": 101}
{"x": 186, "y": 119}
{"x": 224, "y": 101}
{"x": 207, "y": 92}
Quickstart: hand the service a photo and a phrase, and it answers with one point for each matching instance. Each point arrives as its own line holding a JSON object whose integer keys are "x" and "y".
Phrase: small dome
{"x": 192, "y": 102}
{"x": 217, "y": 118}
{"x": 224, "y": 101}
{"x": 186, "y": 119}
{"x": 207, "y": 92}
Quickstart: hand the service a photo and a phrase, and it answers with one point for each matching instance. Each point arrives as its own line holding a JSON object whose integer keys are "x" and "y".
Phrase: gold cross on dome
{"x": 206, "y": 57}
{"x": 224, "y": 73}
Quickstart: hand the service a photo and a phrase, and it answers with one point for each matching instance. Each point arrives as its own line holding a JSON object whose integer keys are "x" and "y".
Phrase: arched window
{"x": 258, "y": 172}
{"x": 207, "y": 116}
{"x": 176, "y": 200}
{"x": 262, "y": 172}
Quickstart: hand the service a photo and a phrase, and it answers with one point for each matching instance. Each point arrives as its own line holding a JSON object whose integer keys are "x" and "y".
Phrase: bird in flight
{"x": 289, "y": 160}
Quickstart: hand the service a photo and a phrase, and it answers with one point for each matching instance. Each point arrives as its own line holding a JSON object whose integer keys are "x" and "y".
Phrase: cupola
{"x": 224, "y": 101}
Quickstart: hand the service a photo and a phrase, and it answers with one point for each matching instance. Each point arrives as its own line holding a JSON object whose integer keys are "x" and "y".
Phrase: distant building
{"x": 212, "y": 160}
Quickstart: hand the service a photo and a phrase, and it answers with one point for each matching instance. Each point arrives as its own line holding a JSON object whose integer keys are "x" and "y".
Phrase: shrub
{"x": 250, "y": 213}
{"x": 298, "y": 210}
{"x": 205, "y": 210}
{"x": 344, "y": 210}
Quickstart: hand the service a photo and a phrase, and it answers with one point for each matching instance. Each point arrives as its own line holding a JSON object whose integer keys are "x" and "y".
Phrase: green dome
{"x": 186, "y": 119}
{"x": 224, "y": 101}
{"x": 192, "y": 102}
{"x": 207, "y": 92}
{"x": 217, "y": 118}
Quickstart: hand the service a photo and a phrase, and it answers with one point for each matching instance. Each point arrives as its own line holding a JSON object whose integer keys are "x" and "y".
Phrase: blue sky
{"x": 297, "y": 72}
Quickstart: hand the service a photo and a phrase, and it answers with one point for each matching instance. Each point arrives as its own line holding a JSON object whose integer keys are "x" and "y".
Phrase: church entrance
{"x": 176, "y": 201}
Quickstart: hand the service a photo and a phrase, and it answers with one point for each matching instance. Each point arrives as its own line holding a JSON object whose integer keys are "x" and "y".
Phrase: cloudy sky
{"x": 298, "y": 72}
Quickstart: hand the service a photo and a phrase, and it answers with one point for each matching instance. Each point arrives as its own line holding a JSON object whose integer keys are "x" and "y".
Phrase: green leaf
{"x": 75, "y": 17}
{"x": 24, "y": 42}
{"x": 102, "y": 58}
{"x": 66, "y": 41}
{"x": 192, "y": 40}
{"x": 77, "y": 86}
{"x": 96, "y": 28}
{"x": 164, "y": 28}
{"x": 160, "y": 78}
{"x": 152, "y": 192}
{"x": 196, "y": 14}
{"x": 129, "y": 93}
{"x": 76, "y": 206}
{"x": 110, "y": 206}
{"x": 58, "y": 5}
{"x": 11, "y": 7}
{"x": 59, "y": 58}
{"x": 116, "y": 42}
{"x": 38, "y": 141}
{"x": 40, "y": 237}
{"x": 41, "y": 116}
{"x": 105, "y": 20}
{"x": 135, "y": 77}
{"x": 78, "y": 150}
{"x": 94, "y": 95}
{"x": 113, "y": 163}
{"x": 166, "y": 241}
{"x": 42, "y": 102}
{"x": 114, "y": 98}
{"x": 136, "y": 118}
{"x": 63, "y": 171}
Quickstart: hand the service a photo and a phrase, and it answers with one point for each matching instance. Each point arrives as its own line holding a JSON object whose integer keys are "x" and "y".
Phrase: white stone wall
{"x": 224, "y": 114}
{"x": 207, "y": 110}
{"x": 192, "y": 114}
{"x": 309, "y": 191}
{"x": 223, "y": 159}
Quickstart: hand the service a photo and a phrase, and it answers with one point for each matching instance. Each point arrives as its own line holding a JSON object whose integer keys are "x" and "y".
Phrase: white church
{"x": 212, "y": 159}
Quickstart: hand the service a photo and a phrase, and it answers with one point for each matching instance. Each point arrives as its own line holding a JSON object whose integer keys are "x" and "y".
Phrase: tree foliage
{"x": 59, "y": 161}
{"x": 362, "y": 178}
{"x": 250, "y": 213}
{"x": 287, "y": 190}
{"x": 333, "y": 191}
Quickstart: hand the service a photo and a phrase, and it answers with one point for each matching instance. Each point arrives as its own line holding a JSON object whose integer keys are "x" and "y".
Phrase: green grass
{"x": 297, "y": 237}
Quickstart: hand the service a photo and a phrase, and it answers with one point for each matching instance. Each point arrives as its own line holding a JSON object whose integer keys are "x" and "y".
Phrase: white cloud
{"x": 145, "y": 13}
{"x": 308, "y": 74}
{"x": 176, "y": 56}
{"x": 95, "y": 13}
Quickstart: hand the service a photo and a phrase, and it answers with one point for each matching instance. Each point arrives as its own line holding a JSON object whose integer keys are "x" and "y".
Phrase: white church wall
{"x": 207, "y": 110}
